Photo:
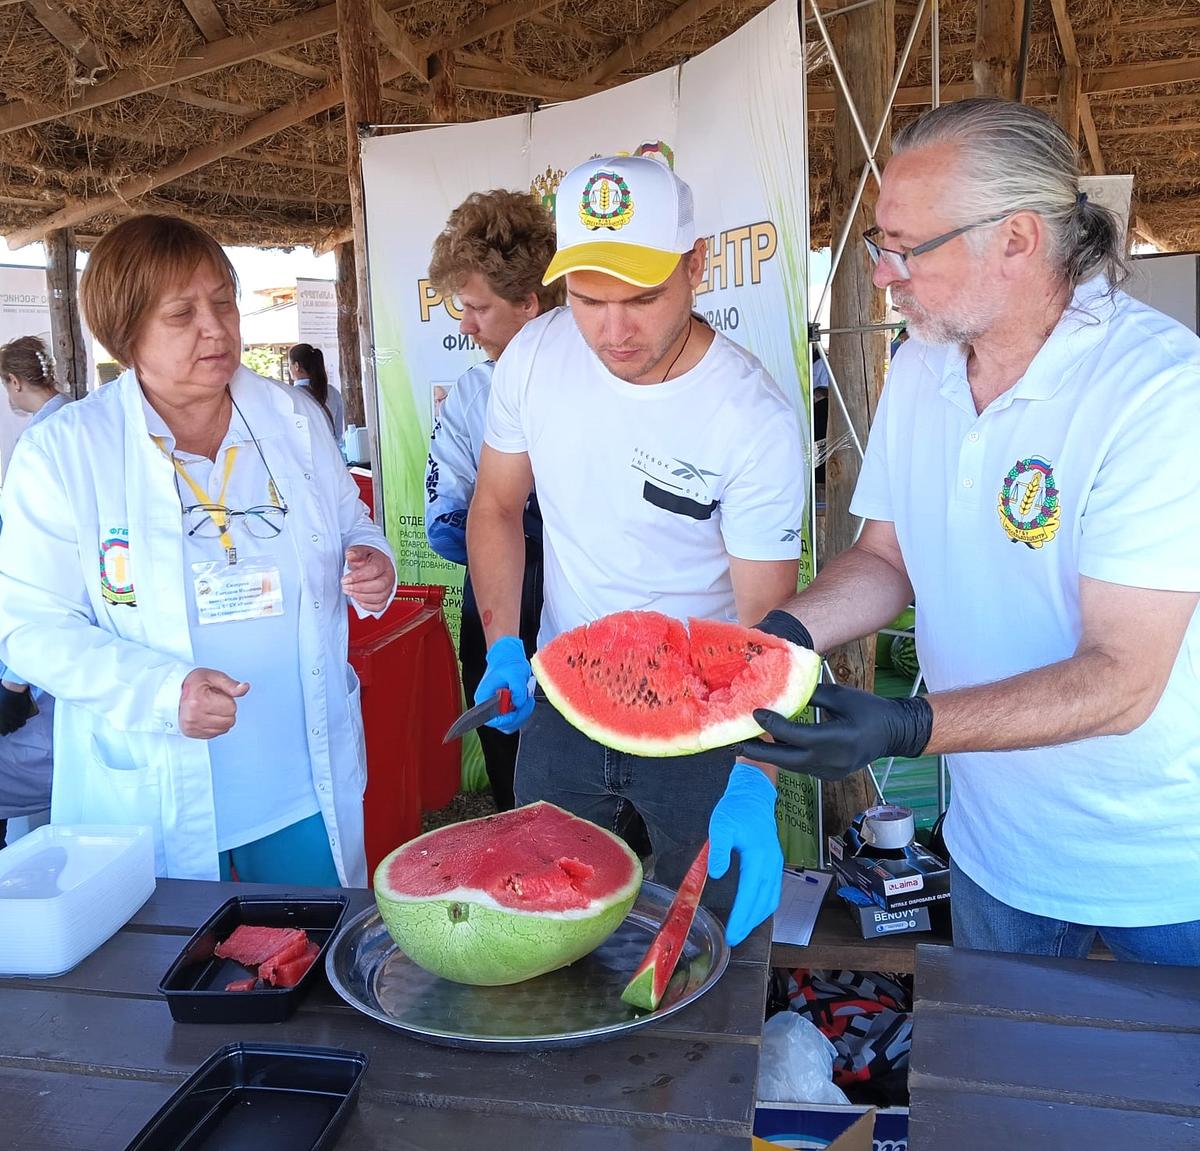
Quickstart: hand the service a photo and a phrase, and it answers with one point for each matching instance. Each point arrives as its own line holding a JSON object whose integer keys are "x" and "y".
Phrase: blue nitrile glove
{"x": 447, "y": 536}
{"x": 508, "y": 667}
{"x": 744, "y": 821}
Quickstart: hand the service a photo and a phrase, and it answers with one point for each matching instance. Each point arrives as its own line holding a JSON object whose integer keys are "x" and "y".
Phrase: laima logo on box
{"x": 908, "y": 883}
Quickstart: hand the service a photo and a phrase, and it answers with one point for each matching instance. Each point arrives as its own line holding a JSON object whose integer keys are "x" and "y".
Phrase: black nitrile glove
{"x": 15, "y": 708}
{"x": 785, "y": 626}
{"x": 856, "y": 729}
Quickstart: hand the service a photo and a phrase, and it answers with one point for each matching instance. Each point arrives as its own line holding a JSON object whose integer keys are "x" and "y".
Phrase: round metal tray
{"x": 565, "y": 1008}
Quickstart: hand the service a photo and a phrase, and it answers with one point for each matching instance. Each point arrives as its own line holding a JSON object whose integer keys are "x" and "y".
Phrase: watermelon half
{"x": 641, "y": 682}
{"x": 502, "y": 899}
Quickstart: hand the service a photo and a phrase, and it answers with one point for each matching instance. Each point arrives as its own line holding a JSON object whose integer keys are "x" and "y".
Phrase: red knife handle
{"x": 504, "y": 706}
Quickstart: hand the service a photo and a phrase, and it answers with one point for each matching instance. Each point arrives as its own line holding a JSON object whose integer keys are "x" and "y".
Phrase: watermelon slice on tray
{"x": 649, "y": 983}
{"x": 643, "y": 683}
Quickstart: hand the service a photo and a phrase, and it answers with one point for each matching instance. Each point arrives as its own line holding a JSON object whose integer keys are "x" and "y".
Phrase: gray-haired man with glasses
{"x": 1031, "y": 479}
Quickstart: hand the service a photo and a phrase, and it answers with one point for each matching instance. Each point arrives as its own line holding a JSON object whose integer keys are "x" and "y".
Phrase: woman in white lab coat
{"x": 177, "y": 553}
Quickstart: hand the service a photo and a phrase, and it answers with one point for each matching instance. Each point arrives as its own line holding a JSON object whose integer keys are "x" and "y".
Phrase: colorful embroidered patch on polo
{"x": 1028, "y": 507}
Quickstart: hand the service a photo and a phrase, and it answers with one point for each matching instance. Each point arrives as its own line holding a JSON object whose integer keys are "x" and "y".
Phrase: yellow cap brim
{"x": 642, "y": 267}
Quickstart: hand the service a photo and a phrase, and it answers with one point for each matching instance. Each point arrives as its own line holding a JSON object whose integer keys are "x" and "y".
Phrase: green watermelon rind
{"x": 465, "y": 936}
{"x": 804, "y": 673}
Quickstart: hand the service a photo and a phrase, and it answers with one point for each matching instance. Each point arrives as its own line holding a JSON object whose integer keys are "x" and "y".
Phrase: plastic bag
{"x": 796, "y": 1062}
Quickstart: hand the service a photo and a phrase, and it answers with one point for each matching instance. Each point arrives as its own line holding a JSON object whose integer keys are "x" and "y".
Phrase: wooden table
{"x": 1053, "y": 1054}
{"x": 87, "y": 1058}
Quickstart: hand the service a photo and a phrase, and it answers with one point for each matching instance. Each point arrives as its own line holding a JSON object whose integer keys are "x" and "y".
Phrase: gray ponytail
{"x": 1016, "y": 158}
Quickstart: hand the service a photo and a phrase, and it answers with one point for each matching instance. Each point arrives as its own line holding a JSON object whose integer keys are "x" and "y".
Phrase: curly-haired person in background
{"x": 490, "y": 257}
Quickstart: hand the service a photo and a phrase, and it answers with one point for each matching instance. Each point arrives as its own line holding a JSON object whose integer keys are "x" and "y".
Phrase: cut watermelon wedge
{"x": 649, "y": 983}
{"x": 641, "y": 682}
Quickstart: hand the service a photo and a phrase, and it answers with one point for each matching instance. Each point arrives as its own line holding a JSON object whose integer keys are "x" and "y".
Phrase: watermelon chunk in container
{"x": 643, "y": 683}
{"x": 503, "y": 899}
{"x": 250, "y": 945}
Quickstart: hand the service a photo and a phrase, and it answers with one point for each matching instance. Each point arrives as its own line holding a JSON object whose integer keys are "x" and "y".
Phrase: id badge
{"x": 227, "y": 592}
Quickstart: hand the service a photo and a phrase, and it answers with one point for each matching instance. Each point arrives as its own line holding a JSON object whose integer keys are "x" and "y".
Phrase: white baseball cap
{"x": 626, "y": 216}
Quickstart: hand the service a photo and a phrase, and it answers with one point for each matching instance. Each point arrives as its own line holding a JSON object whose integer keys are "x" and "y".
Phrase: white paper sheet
{"x": 803, "y": 893}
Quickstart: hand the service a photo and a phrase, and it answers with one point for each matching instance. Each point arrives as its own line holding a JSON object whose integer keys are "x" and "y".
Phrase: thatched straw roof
{"x": 107, "y": 99}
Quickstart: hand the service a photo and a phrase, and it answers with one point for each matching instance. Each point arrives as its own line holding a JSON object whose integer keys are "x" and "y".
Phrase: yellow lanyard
{"x": 220, "y": 518}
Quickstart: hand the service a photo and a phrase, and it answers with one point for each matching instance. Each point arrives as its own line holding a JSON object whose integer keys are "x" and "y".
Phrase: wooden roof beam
{"x": 1073, "y": 71}
{"x": 412, "y": 55}
{"x": 205, "y": 16}
{"x": 274, "y": 195}
{"x": 185, "y": 95}
{"x": 513, "y": 83}
{"x": 211, "y": 58}
{"x": 1098, "y": 81}
{"x": 73, "y": 38}
{"x": 275, "y": 121}
{"x": 636, "y": 47}
{"x": 1154, "y": 129}
{"x": 497, "y": 18}
{"x": 297, "y": 67}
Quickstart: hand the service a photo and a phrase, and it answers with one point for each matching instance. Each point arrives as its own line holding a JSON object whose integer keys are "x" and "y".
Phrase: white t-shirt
{"x": 1088, "y": 465}
{"x": 261, "y": 769}
{"x": 647, "y": 490}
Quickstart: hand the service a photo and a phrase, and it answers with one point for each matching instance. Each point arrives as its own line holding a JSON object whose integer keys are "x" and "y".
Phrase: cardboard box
{"x": 875, "y": 921}
{"x": 914, "y": 878}
{"x": 813, "y": 1125}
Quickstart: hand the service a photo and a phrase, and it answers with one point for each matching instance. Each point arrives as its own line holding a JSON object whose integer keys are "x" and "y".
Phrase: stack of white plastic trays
{"x": 65, "y": 889}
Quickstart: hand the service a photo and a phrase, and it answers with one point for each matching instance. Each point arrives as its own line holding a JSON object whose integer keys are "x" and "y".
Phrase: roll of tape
{"x": 888, "y": 826}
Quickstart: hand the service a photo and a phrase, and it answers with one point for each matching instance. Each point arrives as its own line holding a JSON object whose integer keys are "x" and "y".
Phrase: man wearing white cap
{"x": 666, "y": 464}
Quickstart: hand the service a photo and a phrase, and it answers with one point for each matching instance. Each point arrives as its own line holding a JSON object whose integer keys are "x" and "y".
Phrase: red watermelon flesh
{"x": 241, "y": 984}
{"x": 537, "y": 868}
{"x": 641, "y": 682}
{"x": 290, "y": 973}
{"x": 251, "y": 946}
{"x": 650, "y": 980}
{"x": 293, "y": 950}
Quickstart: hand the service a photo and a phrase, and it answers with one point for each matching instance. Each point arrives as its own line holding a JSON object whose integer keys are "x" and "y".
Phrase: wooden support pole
{"x": 361, "y": 88}
{"x": 997, "y": 45}
{"x": 866, "y": 36}
{"x": 1070, "y": 95}
{"x": 345, "y": 287}
{"x": 66, "y": 330}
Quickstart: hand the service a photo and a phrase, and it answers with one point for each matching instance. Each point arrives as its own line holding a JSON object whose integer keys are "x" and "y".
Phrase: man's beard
{"x": 963, "y": 326}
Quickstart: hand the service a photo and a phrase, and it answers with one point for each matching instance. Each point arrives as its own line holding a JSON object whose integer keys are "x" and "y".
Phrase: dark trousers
{"x": 674, "y": 795}
{"x": 499, "y": 750}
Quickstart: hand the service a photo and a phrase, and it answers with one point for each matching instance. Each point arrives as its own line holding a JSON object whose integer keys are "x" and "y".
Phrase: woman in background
{"x": 306, "y": 366}
{"x": 26, "y": 714}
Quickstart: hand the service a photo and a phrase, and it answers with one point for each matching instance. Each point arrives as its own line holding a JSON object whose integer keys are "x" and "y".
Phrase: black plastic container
{"x": 194, "y": 984}
{"x": 256, "y": 1096}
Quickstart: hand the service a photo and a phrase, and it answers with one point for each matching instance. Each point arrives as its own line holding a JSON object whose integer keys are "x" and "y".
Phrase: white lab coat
{"x": 93, "y": 473}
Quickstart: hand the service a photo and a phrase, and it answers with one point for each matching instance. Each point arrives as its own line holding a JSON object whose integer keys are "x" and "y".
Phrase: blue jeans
{"x": 674, "y": 796}
{"x": 297, "y": 855}
{"x": 983, "y": 923}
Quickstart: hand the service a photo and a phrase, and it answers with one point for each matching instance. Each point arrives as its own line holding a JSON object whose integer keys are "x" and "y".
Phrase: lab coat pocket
{"x": 354, "y": 701}
{"x": 120, "y": 788}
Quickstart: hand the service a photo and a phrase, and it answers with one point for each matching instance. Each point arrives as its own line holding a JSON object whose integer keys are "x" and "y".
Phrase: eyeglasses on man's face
{"x": 896, "y": 259}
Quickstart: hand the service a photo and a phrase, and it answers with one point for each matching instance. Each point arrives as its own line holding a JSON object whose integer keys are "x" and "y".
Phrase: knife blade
{"x": 499, "y": 703}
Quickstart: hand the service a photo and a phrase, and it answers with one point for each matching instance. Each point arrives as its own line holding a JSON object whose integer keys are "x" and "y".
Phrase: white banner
{"x": 316, "y": 321}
